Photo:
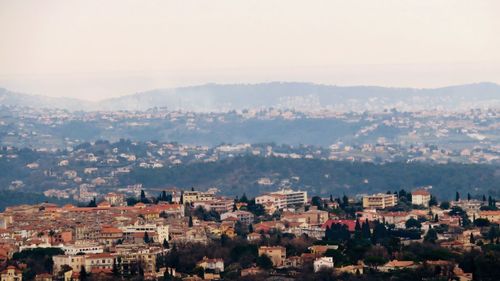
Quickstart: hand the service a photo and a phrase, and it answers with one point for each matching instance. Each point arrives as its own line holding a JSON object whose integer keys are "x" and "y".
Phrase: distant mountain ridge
{"x": 289, "y": 95}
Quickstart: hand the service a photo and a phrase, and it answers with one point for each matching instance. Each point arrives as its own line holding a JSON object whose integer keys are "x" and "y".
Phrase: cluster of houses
{"x": 114, "y": 235}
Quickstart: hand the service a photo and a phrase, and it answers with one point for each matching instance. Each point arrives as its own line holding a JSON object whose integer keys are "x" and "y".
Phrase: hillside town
{"x": 423, "y": 136}
{"x": 279, "y": 235}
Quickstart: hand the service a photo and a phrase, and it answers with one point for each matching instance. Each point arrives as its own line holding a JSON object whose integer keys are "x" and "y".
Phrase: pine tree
{"x": 457, "y": 196}
{"x": 146, "y": 237}
{"x": 83, "y": 274}
{"x": 468, "y": 196}
{"x": 92, "y": 203}
{"x": 365, "y": 230}
{"x": 244, "y": 198}
{"x": 345, "y": 201}
{"x": 190, "y": 223}
{"x": 357, "y": 230}
{"x": 165, "y": 244}
{"x": 471, "y": 239}
{"x": 143, "y": 198}
{"x": 116, "y": 272}
{"x": 431, "y": 236}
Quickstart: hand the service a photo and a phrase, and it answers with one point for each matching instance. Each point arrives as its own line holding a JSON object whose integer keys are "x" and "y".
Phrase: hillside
{"x": 291, "y": 95}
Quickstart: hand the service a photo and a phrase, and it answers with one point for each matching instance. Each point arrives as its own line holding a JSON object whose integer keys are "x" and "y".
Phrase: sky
{"x": 94, "y": 49}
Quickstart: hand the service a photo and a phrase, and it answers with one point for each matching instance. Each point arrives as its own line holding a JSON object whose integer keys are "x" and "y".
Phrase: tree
{"x": 433, "y": 201}
{"x": 481, "y": 222}
{"x": 83, "y": 274}
{"x": 146, "y": 237}
{"x": 92, "y": 203}
{"x": 457, "y": 196}
{"x": 376, "y": 256}
{"x": 316, "y": 201}
{"x": 468, "y": 196}
{"x": 431, "y": 236}
{"x": 143, "y": 197}
{"x": 116, "y": 271}
{"x": 357, "y": 230}
{"x": 244, "y": 198}
{"x": 190, "y": 222}
{"x": 165, "y": 244}
{"x": 345, "y": 201}
{"x": 445, "y": 205}
{"x": 365, "y": 230}
{"x": 471, "y": 239}
{"x": 413, "y": 223}
{"x": 264, "y": 262}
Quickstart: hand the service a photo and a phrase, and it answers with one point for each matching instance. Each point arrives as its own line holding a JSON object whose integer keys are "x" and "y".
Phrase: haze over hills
{"x": 289, "y": 95}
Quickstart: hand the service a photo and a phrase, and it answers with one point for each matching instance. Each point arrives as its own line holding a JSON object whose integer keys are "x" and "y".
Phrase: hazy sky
{"x": 94, "y": 49}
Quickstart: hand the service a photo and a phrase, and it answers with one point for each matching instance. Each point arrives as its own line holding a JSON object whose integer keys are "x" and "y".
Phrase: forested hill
{"x": 240, "y": 175}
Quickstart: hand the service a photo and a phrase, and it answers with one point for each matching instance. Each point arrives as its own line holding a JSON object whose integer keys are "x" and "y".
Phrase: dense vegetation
{"x": 239, "y": 175}
{"x": 12, "y": 198}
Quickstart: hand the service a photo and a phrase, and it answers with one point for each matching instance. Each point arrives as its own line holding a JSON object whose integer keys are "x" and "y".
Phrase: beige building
{"x": 74, "y": 261}
{"x": 277, "y": 254}
{"x": 421, "y": 197}
{"x": 380, "y": 201}
{"x": 189, "y": 197}
{"x": 493, "y": 216}
{"x": 11, "y": 273}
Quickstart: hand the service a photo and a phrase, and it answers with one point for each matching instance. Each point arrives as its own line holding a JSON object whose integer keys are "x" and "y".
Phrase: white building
{"x": 323, "y": 263}
{"x": 283, "y": 198}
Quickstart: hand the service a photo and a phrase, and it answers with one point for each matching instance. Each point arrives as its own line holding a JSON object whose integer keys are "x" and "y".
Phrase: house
{"x": 254, "y": 236}
{"x": 421, "y": 197}
{"x": 214, "y": 265}
{"x": 74, "y": 261}
{"x": 397, "y": 265}
{"x": 493, "y": 216}
{"x": 251, "y": 271}
{"x": 277, "y": 254}
{"x": 99, "y": 262}
{"x": 323, "y": 263}
{"x": 11, "y": 273}
{"x": 351, "y": 269}
{"x": 321, "y": 249}
{"x": 43, "y": 277}
{"x": 242, "y": 216}
{"x": 351, "y": 224}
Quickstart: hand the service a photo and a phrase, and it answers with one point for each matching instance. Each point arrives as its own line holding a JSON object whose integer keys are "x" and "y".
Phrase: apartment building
{"x": 189, "y": 197}
{"x": 242, "y": 216}
{"x": 421, "y": 197}
{"x": 283, "y": 198}
{"x": 380, "y": 201}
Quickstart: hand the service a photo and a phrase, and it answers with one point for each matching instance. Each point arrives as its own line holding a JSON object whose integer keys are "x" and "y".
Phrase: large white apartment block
{"x": 162, "y": 231}
{"x": 283, "y": 198}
